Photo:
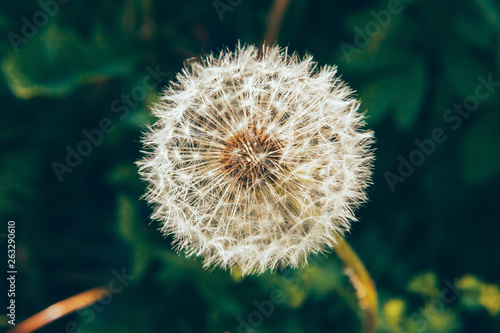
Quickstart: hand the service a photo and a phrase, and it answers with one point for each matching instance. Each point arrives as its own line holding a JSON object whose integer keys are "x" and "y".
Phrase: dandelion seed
{"x": 258, "y": 159}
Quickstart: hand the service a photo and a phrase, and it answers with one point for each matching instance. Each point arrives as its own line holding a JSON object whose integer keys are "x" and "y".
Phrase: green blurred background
{"x": 429, "y": 236}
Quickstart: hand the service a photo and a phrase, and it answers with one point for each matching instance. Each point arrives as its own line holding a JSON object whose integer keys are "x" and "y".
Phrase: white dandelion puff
{"x": 258, "y": 159}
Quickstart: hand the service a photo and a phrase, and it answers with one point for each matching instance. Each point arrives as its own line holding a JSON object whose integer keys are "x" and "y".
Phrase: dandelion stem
{"x": 274, "y": 21}
{"x": 60, "y": 309}
{"x": 363, "y": 284}
{"x": 358, "y": 275}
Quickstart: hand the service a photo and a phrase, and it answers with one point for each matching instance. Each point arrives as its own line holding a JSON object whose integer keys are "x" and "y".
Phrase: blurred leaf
{"x": 489, "y": 298}
{"x": 383, "y": 61}
{"x": 469, "y": 285}
{"x": 491, "y": 11}
{"x": 130, "y": 227}
{"x": 394, "y": 311}
{"x": 480, "y": 161}
{"x": 425, "y": 285}
{"x": 412, "y": 96}
{"x": 463, "y": 69}
{"x": 404, "y": 93}
{"x": 378, "y": 97}
{"x": 55, "y": 62}
{"x": 474, "y": 29}
{"x": 440, "y": 321}
{"x": 366, "y": 44}
{"x": 476, "y": 294}
{"x": 5, "y": 22}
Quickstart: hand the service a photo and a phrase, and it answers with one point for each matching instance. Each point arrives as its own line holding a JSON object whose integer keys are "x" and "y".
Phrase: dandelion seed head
{"x": 258, "y": 159}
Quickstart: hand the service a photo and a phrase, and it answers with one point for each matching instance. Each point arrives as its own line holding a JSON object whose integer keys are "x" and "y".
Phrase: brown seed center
{"x": 252, "y": 156}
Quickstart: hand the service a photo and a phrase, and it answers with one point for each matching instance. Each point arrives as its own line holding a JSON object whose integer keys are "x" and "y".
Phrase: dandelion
{"x": 258, "y": 159}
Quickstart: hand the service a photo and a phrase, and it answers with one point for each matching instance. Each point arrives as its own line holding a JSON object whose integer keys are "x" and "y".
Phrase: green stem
{"x": 363, "y": 284}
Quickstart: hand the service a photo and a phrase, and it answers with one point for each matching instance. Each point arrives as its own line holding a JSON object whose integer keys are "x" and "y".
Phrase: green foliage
{"x": 58, "y": 61}
{"x": 431, "y": 245}
{"x": 443, "y": 307}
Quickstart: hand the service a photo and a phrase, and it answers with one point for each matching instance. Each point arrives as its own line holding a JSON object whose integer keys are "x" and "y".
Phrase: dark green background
{"x": 439, "y": 227}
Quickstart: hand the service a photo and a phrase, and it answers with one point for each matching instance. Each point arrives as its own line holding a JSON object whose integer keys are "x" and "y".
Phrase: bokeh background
{"x": 429, "y": 235}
